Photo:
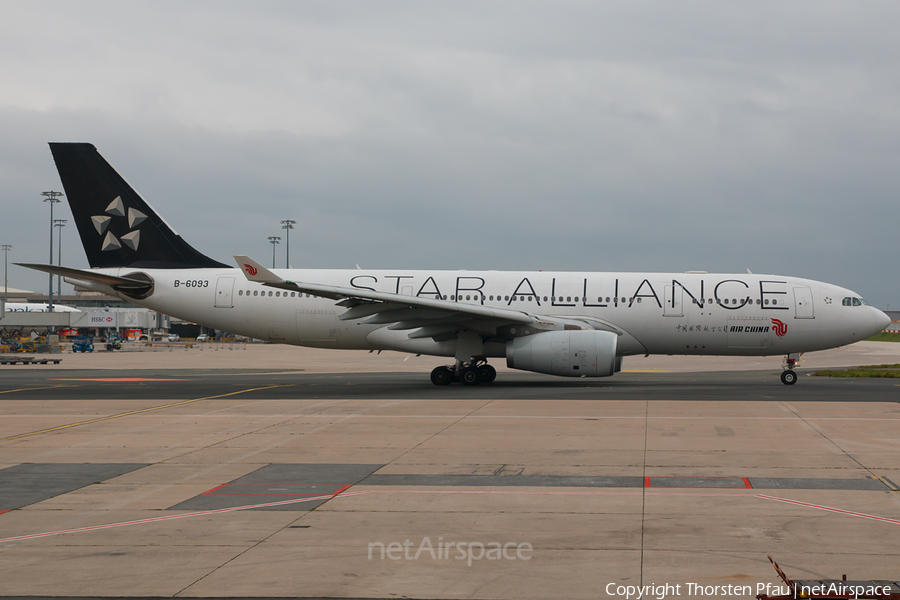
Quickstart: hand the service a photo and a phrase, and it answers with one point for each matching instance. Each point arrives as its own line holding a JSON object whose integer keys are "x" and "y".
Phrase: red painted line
{"x": 214, "y": 489}
{"x": 831, "y": 509}
{"x": 647, "y": 481}
{"x": 363, "y": 492}
{"x": 287, "y": 484}
{"x": 166, "y": 518}
{"x": 181, "y": 516}
{"x": 258, "y": 494}
{"x": 3, "y": 511}
{"x": 651, "y": 492}
{"x": 747, "y": 483}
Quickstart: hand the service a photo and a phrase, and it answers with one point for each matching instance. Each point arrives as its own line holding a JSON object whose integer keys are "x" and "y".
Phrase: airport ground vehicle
{"x": 83, "y": 343}
{"x": 113, "y": 343}
{"x": 831, "y": 589}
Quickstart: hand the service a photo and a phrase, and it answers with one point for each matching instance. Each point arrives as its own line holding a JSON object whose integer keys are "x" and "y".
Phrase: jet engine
{"x": 581, "y": 353}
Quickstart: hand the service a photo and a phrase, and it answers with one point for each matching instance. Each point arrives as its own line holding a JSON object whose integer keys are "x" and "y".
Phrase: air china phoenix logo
{"x": 251, "y": 270}
{"x": 780, "y": 327}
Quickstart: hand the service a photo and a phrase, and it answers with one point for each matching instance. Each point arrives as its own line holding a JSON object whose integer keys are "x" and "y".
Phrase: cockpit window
{"x": 854, "y": 302}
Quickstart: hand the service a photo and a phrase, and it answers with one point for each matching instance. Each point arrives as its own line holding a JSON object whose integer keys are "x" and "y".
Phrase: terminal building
{"x": 27, "y": 312}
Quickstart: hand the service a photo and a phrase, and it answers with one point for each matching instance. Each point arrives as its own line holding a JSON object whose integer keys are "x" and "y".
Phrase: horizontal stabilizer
{"x": 124, "y": 284}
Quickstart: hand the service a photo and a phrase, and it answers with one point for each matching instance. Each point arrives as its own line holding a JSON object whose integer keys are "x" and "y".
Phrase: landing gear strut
{"x": 788, "y": 376}
{"x": 474, "y": 372}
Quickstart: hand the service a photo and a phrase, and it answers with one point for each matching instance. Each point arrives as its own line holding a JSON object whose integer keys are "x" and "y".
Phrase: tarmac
{"x": 273, "y": 471}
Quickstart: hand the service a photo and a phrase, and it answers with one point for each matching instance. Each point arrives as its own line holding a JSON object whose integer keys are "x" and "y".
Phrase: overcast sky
{"x": 607, "y": 136}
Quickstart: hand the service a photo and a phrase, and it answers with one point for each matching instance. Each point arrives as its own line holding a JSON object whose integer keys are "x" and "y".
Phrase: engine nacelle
{"x": 580, "y": 353}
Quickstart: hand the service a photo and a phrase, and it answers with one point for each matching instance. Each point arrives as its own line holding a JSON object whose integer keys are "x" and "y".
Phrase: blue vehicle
{"x": 83, "y": 343}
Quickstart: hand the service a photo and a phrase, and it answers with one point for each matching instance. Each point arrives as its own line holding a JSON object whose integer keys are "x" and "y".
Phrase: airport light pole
{"x": 6, "y": 248}
{"x": 52, "y": 198}
{"x": 59, "y": 223}
{"x": 274, "y": 240}
{"x": 287, "y": 225}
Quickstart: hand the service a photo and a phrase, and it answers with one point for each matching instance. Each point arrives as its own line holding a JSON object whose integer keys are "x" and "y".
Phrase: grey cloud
{"x": 575, "y": 135}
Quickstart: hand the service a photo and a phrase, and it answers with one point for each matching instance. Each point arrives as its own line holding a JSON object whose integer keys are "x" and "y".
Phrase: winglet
{"x": 254, "y": 271}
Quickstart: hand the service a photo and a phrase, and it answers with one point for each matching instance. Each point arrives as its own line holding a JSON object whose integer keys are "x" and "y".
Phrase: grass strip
{"x": 862, "y": 371}
{"x": 885, "y": 336}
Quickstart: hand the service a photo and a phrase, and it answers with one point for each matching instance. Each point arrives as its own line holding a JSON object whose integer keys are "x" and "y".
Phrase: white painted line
{"x": 831, "y": 509}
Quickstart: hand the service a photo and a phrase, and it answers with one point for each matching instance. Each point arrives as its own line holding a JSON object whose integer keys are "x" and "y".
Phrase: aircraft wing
{"x": 427, "y": 317}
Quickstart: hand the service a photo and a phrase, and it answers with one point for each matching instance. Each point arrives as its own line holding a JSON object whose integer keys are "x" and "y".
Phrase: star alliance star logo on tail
{"x": 780, "y": 327}
{"x": 116, "y": 208}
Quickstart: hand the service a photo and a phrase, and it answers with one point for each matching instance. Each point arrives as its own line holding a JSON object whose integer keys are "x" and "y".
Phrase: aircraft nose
{"x": 882, "y": 319}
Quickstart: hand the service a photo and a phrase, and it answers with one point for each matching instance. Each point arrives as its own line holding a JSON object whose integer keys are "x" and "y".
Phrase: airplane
{"x": 572, "y": 324}
{"x": 37, "y": 307}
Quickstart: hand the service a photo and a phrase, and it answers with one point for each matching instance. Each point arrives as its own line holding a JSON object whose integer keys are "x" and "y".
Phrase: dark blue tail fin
{"x": 117, "y": 228}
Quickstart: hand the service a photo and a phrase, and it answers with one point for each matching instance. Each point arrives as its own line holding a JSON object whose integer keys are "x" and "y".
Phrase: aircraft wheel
{"x": 487, "y": 373}
{"x": 788, "y": 377}
{"x": 442, "y": 376}
{"x": 470, "y": 376}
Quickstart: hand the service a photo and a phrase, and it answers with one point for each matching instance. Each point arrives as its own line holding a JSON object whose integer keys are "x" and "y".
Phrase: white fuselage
{"x": 37, "y": 307}
{"x": 654, "y": 313}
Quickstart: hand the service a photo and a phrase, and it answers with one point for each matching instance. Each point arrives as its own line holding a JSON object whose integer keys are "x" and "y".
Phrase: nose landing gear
{"x": 788, "y": 376}
{"x": 474, "y": 372}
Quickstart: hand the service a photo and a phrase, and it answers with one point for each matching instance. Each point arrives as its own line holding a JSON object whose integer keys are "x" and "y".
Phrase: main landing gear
{"x": 788, "y": 376}
{"x": 469, "y": 373}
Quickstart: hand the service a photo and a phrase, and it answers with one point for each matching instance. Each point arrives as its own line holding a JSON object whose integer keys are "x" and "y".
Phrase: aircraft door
{"x": 224, "y": 292}
{"x": 673, "y": 306}
{"x": 803, "y": 303}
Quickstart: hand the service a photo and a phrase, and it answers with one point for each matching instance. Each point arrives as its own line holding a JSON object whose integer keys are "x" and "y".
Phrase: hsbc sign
{"x": 101, "y": 319}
